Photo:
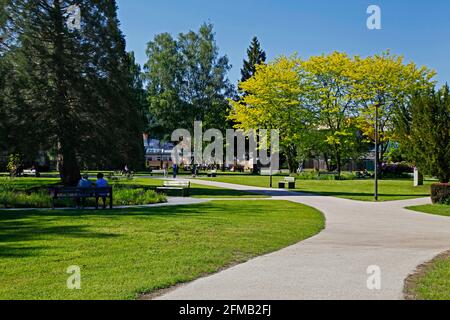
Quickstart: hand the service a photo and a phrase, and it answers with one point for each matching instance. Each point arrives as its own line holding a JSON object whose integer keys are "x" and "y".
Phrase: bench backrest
{"x": 177, "y": 183}
{"x": 268, "y": 172}
{"x": 289, "y": 179}
{"x": 74, "y": 191}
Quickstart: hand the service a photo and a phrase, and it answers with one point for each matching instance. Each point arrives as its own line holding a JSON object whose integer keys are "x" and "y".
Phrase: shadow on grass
{"x": 25, "y": 226}
{"x": 211, "y": 192}
{"x": 363, "y": 195}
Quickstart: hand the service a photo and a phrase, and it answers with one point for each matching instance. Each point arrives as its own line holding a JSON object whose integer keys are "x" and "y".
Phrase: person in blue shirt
{"x": 84, "y": 183}
{"x": 102, "y": 183}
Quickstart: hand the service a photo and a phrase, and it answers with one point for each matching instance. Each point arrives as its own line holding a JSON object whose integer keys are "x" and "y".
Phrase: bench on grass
{"x": 81, "y": 194}
{"x": 212, "y": 174}
{"x": 268, "y": 172}
{"x": 288, "y": 181}
{"x": 30, "y": 172}
{"x": 179, "y": 185}
{"x": 157, "y": 172}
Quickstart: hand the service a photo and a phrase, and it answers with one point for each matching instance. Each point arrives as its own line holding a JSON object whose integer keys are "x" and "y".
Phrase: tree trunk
{"x": 291, "y": 159}
{"x": 68, "y": 167}
{"x": 327, "y": 162}
{"x": 338, "y": 163}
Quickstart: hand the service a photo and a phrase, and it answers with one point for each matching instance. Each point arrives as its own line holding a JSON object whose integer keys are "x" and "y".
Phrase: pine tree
{"x": 74, "y": 87}
{"x": 255, "y": 56}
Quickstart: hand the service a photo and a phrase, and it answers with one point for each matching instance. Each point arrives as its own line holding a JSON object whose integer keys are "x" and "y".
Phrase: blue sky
{"x": 419, "y": 30}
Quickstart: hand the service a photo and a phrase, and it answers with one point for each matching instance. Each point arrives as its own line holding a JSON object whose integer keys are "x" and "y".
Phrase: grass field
{"x": 436, "y": 209}
{"x": 124, "y": 253}
{"x": 350, "y": 189}
{"x": 197, "y": 191}
{"x": 432, "y": 282}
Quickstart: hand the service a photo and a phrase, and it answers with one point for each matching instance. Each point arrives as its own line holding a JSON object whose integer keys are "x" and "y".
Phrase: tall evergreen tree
{"x": 255, "y": 56}
{"x": 424, "y": 130}
{"x": 74, "y": 86}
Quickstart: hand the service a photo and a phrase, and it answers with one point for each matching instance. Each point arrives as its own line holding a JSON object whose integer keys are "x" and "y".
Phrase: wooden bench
{"x": 157, "y": 172}
{"x": 288, "y": 181}
{"x": 82, "y": 194}
{"x": 268, "y": 172}
{"x": 180, "y": 185}
{"x": 30, "y": 172}
{"x": 212, "y": 174}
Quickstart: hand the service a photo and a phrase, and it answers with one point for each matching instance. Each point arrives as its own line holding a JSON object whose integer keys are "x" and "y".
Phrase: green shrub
{"x": 313, "y": 175}
{"x": 440, "y": 193}
{"x": 130, "y": 197}
{"x": 13, "y": 199}
{"x": 9, "y": 198}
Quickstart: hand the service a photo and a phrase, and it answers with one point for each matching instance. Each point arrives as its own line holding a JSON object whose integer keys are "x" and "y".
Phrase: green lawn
{"x": 432, "y": 282}
{"x": 349, "y": 189}
{"x": 197, "y": 191}
{"x": 437, "y": 209}
{"x": 123, "y": 253}
{"x": 23, "y": 184}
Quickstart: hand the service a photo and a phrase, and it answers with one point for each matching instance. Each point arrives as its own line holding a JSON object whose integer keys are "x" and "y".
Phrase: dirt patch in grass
{"x": 413, "y": 280}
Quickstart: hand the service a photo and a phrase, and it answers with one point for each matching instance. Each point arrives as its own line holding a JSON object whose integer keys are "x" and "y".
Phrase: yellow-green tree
{"x": 275, "y": 99}
{"x": 334, "y": 97}
{"x": 386, "y": 82}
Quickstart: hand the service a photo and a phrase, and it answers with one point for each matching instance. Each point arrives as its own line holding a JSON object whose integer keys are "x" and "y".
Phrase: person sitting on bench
{"x": 84, "y": 183}
{"x": 102, "y": 183}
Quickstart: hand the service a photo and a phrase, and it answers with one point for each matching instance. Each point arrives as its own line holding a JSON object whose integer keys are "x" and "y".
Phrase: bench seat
{"x": 182, "y": 186}
{"x": 288, "y": 181}
{"x": 81, "y": 193}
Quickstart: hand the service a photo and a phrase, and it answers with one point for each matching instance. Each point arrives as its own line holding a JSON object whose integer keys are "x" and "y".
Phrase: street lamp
{"x": 377, "y": 151}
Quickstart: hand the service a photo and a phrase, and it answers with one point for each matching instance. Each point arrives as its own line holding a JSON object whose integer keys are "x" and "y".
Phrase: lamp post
{"x": 377, "y": 151}
{"x": 271, "y": 178}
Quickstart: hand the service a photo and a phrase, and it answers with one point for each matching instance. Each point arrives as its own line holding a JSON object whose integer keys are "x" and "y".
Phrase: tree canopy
{"x": 329, "y": 99}
{"x": 424, "y": 131}
{"x": 69, "y": 91}
{"x": 186, "y": 81}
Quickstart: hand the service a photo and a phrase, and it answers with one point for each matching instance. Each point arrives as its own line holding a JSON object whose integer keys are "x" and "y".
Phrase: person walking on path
{"x": 175, "y": 170}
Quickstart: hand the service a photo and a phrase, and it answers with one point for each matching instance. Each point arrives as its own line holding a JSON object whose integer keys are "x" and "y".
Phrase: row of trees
{"x": 326, "y": 105}
{"x": 75, "y": 93}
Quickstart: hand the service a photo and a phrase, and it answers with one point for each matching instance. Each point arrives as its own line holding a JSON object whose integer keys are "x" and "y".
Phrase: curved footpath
{"x": 333, "y": 264}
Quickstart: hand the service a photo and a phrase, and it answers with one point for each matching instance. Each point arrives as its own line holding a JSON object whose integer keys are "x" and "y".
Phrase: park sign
{"x": 262, "y": 148}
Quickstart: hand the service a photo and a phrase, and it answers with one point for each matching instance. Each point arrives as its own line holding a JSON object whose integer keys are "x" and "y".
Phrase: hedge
{"x": 440, "y": 193}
